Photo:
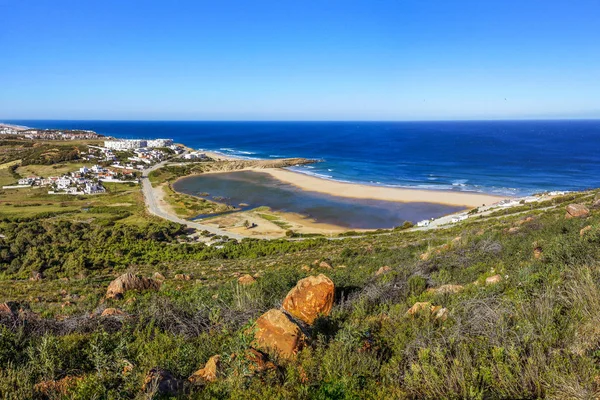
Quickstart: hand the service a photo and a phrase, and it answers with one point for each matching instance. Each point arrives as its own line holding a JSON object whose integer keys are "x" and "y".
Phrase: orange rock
{"x": 537, "y": 253}
{"x": 585, "y": 230}
{"x": 210, "y": 372}
{"x": 493, "y": 279}
{"x": 311, "y": 297}
{"x": 183, "y": 277}
{"x": 276, "y": 332}
{"x": 383, "y": 270}
{"x": 424, "y": 256}
{"x": 111, "y": 312}
{"x": 158, "y": 276}
{"x": 305, "y": 268}
{"x": 577, "y": 211}
{"x": 445, "y": 289}
{"x": 246, "y": 280}
{"x": 418, "y": 307}
{"x": 513, "y": 230}
{"x": 325, "y": 265}
{"x": 425, "y": 308}
{"x": 118, "y": 287}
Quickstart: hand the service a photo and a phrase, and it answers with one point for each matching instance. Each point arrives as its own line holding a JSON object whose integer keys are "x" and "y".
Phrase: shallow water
{"x": 258, "y": 189}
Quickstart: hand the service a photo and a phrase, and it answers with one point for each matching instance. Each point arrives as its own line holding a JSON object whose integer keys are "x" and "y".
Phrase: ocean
{"x": 496, "y": 157}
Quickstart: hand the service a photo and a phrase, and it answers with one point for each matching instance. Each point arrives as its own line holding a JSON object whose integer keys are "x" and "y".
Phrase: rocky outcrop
{"x": 493, "y": 279}
{"x": 126, "y": 282}
{"x": 234, "y": 165}
{"x": 311, "y": 297}
{"x": 577, "y": 211}
{"x": 246, "y": 279}
{"x": 108, "y": 312}
{"x": 425, "y": 308}
{"x": 209, "y": 373}
{"x": 276, "y": 332}
{"x": 161, "y": 381}
{"x": 446, "y": 289}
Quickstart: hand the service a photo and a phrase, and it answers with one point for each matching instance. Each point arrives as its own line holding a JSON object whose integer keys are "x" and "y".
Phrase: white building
{"x": 160, "y": 142}
{"x": 93, "y": 188}
{"x": 125, "y": 144}
{"x": 425, "y": 222}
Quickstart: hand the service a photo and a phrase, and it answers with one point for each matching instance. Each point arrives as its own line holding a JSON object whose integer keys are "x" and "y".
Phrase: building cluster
{"x": 195, "y": 155}
{"x": 132, "y": 144}
{"x": 53, "y": 134}
{"x": 145, "y": 153}
{"x": 85, "y": 181}
{"x": 8, "y": 130}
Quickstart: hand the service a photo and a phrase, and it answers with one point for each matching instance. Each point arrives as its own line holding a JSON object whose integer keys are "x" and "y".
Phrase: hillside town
{"x": 84, "y": 181}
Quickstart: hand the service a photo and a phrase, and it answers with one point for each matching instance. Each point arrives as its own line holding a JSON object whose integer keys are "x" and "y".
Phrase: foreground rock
{"x": 246, "y": 280}
{"x": 492, "y": 280}
{"x": 112, "y": 312}
{"x": 118, "y": 287}
{"x": 446, "y": 289}
{"x": 311, "y": 297}
{"x": 275, "y": 331}
{"x": 161, "y": 381}
{"x": 210, "y": 372}
{"x": 577, "y": 211}
{"x": 427, "y": 309}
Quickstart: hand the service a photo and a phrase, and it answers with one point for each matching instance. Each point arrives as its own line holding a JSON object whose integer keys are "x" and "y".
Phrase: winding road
{"x": 152, "y": 198}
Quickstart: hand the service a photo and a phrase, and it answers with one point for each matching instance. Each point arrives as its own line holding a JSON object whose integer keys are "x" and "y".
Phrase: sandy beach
{"x": 357, "y": 191}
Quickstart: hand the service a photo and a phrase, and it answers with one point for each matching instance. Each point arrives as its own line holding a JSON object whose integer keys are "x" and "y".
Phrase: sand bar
{"x": 358, "y": 191}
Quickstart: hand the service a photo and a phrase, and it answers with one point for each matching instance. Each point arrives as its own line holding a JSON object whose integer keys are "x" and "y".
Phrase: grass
{"x": 275, "y": 219}
{"x": 532, "y": 335}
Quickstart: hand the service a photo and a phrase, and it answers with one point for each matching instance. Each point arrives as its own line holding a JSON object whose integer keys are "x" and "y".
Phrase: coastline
{"x": 361, "y": 191}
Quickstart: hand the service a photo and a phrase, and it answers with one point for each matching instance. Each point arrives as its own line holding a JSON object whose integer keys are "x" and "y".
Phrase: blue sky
{"x": 299, "y": 60}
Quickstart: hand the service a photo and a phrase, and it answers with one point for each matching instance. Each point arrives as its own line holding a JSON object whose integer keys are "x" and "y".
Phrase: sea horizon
{"x": 500, "y": 157}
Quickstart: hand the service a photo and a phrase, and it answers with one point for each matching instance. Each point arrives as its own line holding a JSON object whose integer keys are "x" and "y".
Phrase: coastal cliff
{"x": 235, "y": 165}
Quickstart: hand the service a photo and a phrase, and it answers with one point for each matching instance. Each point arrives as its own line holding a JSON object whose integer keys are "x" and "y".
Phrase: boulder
{"x": 158, "y": 276}
{"x": 577, "y": 211}
{"x": 585, "y": 230}
{"x": 161, "y": 381}
{"x": 210, "y": 372}
{"x": 246, "y": 279}
{"x": 324, "y": 265}
{"x": 275, "y": 331}
{"x": 183, "y": 277}
{"x": 419, "y": 307}
{"x": 128, "y": 281}
{"x": 425, "y": 308}
{"x": 383, "y": 270}
{"x": 112, "y": 312}
{"x": 493, "y": 279}
{"x": 446, "y": 289}
{"x": 311, "y": 297}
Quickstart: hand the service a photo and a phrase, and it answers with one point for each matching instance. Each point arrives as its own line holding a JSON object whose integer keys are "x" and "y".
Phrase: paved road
{"x": 151, "y": 197}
